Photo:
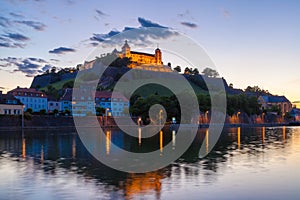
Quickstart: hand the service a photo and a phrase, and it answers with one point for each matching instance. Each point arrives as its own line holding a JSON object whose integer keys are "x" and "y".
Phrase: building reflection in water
{"x": 161, "y": 141}
{"x": 173, "y": 139}
{"x": 74, "y": 147}
{"x": 139, "y": 184}
{"x": 108, "y": 141}
{"x": 263, "y": 134}
{"x": 239, "y": 137}
{"x": 42, "y": 154}
{"x": 140, "y": 135}
{"x": 283, "y": 133}
{"x": 206, "y": 141}
{"x": 23, "y": 147}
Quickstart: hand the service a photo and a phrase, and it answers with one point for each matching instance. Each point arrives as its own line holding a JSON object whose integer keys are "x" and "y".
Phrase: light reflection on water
{"x": 255, "y": 163}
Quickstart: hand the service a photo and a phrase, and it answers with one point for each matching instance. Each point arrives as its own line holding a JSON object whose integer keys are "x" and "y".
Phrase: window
{"x": 51, "y": 104}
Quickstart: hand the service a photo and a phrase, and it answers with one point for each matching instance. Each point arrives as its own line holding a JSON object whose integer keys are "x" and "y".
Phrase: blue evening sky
{"x": 251, "y": 42}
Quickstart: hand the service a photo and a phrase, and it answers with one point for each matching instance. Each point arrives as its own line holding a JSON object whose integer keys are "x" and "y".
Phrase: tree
{"x": 195, "y": 71}
{"x": 29, "y": 110}
{"x": 169, "y": 64}
{"x": 53, "y": 69}
{"x": 100, "y": 111}
{"x": 68, "y": 84}
{"x": 42, "y": 111}
{"x": 187, "y": 70}
{"x": 177, "y": 68}
{"x": 55, "y": 111}
{"x": 210, "y": 72}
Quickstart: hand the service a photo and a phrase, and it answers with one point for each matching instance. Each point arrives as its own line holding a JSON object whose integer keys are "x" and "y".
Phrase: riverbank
{"x": 12, "y": 123}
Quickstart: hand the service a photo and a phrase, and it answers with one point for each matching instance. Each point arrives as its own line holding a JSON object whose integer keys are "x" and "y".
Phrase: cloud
{"x": 33, "y": 24}
{"x": 189, "y": 24}
{"x": 94, "y": 44}
{"x": 29, "y": 66}
{"x": 226, "y": 13}
{"x": 7, "y": 42}
{"x": 147, "y": 23}
{"x": 62, "y": 50}
{"x": 11, "y": 45}
{"x": 17, "y": 15}
{"x": 184, "y": 14}
{"x": 103, "y": 37}
{"x": 140, "y": 36}
{"x": 100, "y": 13}
{"x": 4, "y": 22}
{"x": 54, "y": 60}
{"x": 16, "y": 36}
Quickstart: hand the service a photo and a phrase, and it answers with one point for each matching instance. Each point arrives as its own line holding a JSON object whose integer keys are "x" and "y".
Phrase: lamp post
{"x": 106, "y": 112}
{"x": 206, "y": 117}
{"x": 160, "y": 116}
{"x": 238, "y": 116}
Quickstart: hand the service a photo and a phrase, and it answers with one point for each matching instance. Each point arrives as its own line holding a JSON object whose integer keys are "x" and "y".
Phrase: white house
{"x": 9, "y": 105}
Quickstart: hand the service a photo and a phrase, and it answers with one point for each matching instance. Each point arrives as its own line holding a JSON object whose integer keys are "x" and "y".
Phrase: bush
{"x": 42, "y": 111}
{"x": 29, "y": 110}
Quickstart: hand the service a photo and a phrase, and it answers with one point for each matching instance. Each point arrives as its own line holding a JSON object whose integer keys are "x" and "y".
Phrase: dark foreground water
{"x": 256, "y": 163}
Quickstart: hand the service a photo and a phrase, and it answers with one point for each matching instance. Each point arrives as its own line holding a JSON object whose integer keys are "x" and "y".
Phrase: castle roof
{"x": 142, "y": 53}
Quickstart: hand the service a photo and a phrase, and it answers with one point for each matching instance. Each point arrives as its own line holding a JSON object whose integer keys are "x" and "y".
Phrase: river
{"x": 246, "y": 163}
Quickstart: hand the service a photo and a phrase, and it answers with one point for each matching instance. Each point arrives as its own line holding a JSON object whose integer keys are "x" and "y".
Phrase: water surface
{"x": 252, "y": 163}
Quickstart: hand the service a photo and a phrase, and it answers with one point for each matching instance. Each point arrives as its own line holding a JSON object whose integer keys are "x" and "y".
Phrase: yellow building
{"x": 143, "y": 61}
{"x": 140, "y": 58}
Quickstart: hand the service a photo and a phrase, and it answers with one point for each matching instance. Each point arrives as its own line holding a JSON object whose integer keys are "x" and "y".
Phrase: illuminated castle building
{"x": 141, "y": 60}
{"x": 138, "y": 60}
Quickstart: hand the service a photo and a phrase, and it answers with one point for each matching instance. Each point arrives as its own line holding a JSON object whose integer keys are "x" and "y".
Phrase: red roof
{"x": 27, "y": 92}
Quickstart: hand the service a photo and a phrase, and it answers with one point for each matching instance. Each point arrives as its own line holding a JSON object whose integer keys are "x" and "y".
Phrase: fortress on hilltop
{"x": 138, "y": 60}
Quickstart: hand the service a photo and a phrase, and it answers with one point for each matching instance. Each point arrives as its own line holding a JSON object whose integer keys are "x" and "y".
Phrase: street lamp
{"x": 160, "y": 116}
{"x": 106, "y": 112}
{"x": 206, "y": 116}
{"x": 238, "y": 116}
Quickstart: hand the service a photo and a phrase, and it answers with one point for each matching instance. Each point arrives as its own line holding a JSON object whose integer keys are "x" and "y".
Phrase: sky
{"x": 250, "y": 42}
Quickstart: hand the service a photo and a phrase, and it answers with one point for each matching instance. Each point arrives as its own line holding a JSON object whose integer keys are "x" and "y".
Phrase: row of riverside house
{"x": 19, "y": 98}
